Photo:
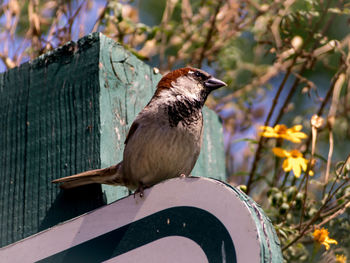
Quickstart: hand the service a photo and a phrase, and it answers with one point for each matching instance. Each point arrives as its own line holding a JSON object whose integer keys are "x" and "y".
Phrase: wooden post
{"x": 69, "y": 111}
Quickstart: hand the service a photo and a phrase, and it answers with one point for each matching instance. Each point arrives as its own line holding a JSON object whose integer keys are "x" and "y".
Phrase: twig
{"x": 325, "y": 100}
{"x": 209, "y": 34}
{"x": 290, "y": 94}
{"x": 334, "y": 215}
{"x": 305, "y": 64}
{"x": 169, "y": 8}
{"x": 291, "y": 206}
{"x": 286, "y": 175}
{"x": 100, "y": 17}
{"x": 72, "y": 17}
{"x": 262, "y": 140}
{"x": 335, "y": 208}
{"x": 330, "y": 120}
{"x": 316, "y": 216}
{"x": 276, "y": 23}
{"x": 276, "y": 175}
{"x": 331, "y": 212}
{"x": 316, "y": 123}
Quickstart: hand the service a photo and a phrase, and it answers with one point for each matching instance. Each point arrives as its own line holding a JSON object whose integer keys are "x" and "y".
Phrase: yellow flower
{"x": 294, "y": 161}
{"x": 281, "y": 131}
{"x": 321, "y": 236}
{"x": 340, "y": 259}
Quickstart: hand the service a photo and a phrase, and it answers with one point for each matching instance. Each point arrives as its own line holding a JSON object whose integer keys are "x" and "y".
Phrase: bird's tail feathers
{"x": 111, "y": 175}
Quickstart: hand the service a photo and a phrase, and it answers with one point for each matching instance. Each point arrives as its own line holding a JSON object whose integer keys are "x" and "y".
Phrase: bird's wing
{"x": 132, "y": 130}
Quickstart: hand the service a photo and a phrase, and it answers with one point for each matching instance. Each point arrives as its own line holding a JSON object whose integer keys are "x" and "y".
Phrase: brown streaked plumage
{"x": 165, "y": 139}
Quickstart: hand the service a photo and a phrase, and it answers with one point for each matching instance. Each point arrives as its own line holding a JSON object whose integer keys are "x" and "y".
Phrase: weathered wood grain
{"x": 46, "y": 108}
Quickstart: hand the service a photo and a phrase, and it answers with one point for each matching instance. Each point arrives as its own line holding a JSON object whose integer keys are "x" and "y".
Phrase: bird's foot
{"x": 184, "y": 176}
{"x": 139, "y": 190}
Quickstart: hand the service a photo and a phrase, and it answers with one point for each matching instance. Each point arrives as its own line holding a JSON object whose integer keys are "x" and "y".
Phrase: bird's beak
{"x": 214, "y": 83}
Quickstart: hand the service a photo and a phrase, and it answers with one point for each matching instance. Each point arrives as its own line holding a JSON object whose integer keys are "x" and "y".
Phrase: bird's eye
{"x": 198, "y": 74}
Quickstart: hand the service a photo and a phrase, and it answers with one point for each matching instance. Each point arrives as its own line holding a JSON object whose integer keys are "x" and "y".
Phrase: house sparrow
{"x": 165, "y": 139}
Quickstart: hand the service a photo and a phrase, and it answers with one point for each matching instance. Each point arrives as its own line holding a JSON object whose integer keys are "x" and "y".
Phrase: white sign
{"x": 180, "y": 220}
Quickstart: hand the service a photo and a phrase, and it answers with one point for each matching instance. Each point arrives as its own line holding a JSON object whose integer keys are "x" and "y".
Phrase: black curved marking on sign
{"x": 196, "y": 224}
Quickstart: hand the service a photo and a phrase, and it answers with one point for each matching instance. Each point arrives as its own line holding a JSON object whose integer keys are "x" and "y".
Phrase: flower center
{"x": 295, "y": 154}
{"x": 281, "y": 129}
{"x": 321, "y": 235}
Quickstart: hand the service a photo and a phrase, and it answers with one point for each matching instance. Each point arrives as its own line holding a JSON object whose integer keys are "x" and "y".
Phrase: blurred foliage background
{"x": 286, "y": 62}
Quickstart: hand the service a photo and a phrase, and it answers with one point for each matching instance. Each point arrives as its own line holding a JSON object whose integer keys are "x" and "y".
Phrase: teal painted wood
{"x": 69, "y": 111}
{"x": 268, "y": 239}
{"x": 211, "y": 161}
{"x": 12, "y": 154}
{"x": 47, "y": 106}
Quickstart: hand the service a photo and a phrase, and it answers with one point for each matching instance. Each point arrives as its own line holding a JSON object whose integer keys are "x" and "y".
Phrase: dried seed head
{"x": 316, "y": 121}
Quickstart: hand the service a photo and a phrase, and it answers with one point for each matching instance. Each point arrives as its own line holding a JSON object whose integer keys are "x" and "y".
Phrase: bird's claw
{"x": 139, "y": 190}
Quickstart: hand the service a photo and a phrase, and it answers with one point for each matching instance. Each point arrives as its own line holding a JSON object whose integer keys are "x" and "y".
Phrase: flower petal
{"x": 297, "y": 127}
{"x": 267, "y": 131}
{"x": 286, "y": 165}
{"x": 300, "y": 135}
{"x": 303, "y": 163}
{"x": 326, "y": 245}
{"x": 280, "y": 152}
{"x": 266, "y": 128}
{"x": 331, "y": 241}
{"x": 340, "y": 259}
{"x": 321, "y": 236}
{"x": 291, "y": 138}
{"x": 268, "y": 134}
{"x": 296, "y": 167}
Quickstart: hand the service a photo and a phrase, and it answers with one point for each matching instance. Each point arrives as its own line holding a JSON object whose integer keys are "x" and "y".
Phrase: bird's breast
{"x": 159, "y": 150}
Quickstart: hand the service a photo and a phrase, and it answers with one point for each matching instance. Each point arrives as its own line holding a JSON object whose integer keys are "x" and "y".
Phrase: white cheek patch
{"x": 183, "y": 87}
{"x": 187, "y": 87}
